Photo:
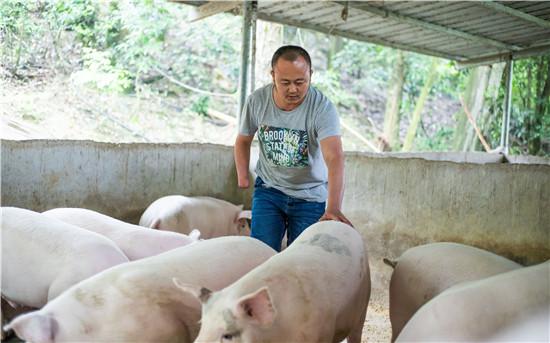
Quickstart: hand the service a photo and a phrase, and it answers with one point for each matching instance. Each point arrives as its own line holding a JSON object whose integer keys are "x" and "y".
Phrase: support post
{"x": 253, "y": 53}
{"x": 505, "y": 130}
{"x": 245, "y": 55}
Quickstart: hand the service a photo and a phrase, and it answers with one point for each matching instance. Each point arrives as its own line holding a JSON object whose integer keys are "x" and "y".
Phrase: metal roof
{"x": 470, "y": 32}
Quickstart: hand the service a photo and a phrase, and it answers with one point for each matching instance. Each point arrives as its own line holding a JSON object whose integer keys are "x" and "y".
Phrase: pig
{"x": 9, "y": 311}
{"x": 212, "y": 217}
{"x": 534, "y": 327}
{"x": 481, "y": 309}
{"x": 135, "y": 241}
{"x": 43, "y": 256}
{"x": 425, "y": 271}
{"x": 316, "y": 290}
{"x": 138, "y": 301}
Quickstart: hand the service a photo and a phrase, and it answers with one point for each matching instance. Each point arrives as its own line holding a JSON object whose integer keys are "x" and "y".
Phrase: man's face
{"x": 291, "y": 80}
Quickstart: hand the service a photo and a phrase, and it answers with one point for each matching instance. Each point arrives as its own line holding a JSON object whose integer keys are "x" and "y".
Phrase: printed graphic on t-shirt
{"x": 284, "y": 147}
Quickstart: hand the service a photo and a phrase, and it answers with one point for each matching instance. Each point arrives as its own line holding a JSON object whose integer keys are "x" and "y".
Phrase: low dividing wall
{"x": 396, "y": 201}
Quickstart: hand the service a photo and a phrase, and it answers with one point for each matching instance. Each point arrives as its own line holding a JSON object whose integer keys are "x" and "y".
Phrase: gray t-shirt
{"x": 290, "y": 155}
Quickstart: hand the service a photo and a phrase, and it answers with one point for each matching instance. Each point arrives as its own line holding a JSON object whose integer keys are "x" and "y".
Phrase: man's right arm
{"x": 242, "y": 159}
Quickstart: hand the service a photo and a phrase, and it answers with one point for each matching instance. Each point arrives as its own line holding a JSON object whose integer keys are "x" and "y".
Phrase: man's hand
{"x": 243, "y": 182}
{"x": 335, "y": 215}
{"x": 242, "y": 159}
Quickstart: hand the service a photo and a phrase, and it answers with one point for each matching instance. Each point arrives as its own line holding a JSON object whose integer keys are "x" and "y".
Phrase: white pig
{"x": 425, "y": 271}
{"x": 138, "y": 301}
{"x": 478, "y": 310}
{"x": 43, "y": 256}
{"x": 534, "y": 327}
{"x": 316, "y": 290}
{"x": 10, "y": 311}
{"x": 212, "y": 217}
{"x": 135, "y": 241}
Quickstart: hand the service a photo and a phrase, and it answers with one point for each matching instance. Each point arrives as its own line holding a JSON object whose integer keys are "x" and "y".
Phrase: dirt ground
{"x": 377, "y": 326}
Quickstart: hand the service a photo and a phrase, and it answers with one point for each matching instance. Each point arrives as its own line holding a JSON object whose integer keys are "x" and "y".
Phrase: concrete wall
{"x": 116, "y": 179}
{"x": 396, "y": 201}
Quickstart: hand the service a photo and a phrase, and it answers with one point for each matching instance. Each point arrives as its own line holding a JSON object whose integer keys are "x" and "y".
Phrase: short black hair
{"x": 290, "y": 53}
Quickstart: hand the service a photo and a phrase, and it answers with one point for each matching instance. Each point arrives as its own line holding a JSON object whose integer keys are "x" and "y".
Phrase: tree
{"x": 269, "y": 38}
{"x": 491, "y": 101}
{"x": 417, "y": 114}
{"x": 335, "y": 45}
{"x": 392, "y": 115}
{"x": 474, "y": 94}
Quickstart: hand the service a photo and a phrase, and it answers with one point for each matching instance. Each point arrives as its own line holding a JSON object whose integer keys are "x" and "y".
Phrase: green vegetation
{"x": 148, "y": 48}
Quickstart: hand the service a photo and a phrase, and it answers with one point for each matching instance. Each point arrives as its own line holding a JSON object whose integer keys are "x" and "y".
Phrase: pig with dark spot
{"x": 316, "y": 290}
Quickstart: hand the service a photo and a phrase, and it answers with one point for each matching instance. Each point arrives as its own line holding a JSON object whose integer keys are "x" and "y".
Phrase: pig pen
{"x": 396, "y": 201}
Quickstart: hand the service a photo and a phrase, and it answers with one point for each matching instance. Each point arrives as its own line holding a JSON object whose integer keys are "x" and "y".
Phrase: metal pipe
{"x": 253, "y": 54}
{"x": 505, "y": 129}
{"x": 245, "y": 55}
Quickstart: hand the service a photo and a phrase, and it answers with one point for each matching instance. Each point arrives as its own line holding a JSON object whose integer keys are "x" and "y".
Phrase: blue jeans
{"x": 274, "y": 213}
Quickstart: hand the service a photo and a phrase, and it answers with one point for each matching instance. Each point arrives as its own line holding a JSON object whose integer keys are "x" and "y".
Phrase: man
{"x": 299, "y": 136}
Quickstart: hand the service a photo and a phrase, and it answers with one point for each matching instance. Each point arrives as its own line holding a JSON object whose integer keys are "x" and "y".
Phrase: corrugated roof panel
{"x": 281, "y": 7}
{"x": 469, "y": 49}
{"x": 404, "y": 32}
{"x": 544, "y": 14}
{"x": 271, "y": 6}
{"x": 353, "y": 15}
{"x": 494, "y": 20}
{"x": 403, "y": 6}
{"x": 529, "y": 7}
{"x": 301, "y": 10}
{"x": 321, "y": 12}
{"x": 378, "y": 24}
{"x": 515, "y": 31}
{"x": 467, "y": 28}
{"x": 439, "y": 8}
{"x": 463, "y": 15}
{"x": 356, "y": 22}
{"x": 503, "y": 32}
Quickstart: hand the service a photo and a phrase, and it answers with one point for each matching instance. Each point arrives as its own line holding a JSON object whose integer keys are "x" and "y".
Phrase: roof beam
{"x": 362, "y": 38}
{"x": 516, "y": 13}
{"x": 211, "y": 8}
{"x": 427, "y": 25}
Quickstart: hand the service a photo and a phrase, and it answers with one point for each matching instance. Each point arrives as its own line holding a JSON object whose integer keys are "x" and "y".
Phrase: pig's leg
{"x": 357, "y": 331}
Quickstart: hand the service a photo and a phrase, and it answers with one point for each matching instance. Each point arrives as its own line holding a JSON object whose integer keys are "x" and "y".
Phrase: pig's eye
{"x": 228, "y": 337}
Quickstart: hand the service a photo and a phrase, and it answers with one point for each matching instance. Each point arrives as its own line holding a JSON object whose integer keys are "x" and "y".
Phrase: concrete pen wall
{"x": 395, "y": 200}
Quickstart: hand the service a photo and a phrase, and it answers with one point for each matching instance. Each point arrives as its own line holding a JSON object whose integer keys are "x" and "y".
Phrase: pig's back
{"x": 36, "y": 249}
{"x": 475, "y": 310}
{"x": 94, "y": 221}
{"x": 331, "y": 254}
{"x": 227, "y": 257}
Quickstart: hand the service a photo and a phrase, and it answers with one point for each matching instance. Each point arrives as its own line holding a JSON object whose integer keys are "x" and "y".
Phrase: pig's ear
{"x": 247, "y": 214}
{"x": 34, "y": 327}
{"x": 201, "y": 293}
{"x": 155, "y": 224}
{"x": 257, "y": 307}
{"x": 195, "y": 234}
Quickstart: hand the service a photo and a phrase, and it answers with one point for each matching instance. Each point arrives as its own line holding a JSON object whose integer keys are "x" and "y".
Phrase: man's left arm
{"x": 334, "y": 158}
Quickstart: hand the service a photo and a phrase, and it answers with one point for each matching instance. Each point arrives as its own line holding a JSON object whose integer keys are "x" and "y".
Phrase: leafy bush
{"x": 200, "y": 106}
